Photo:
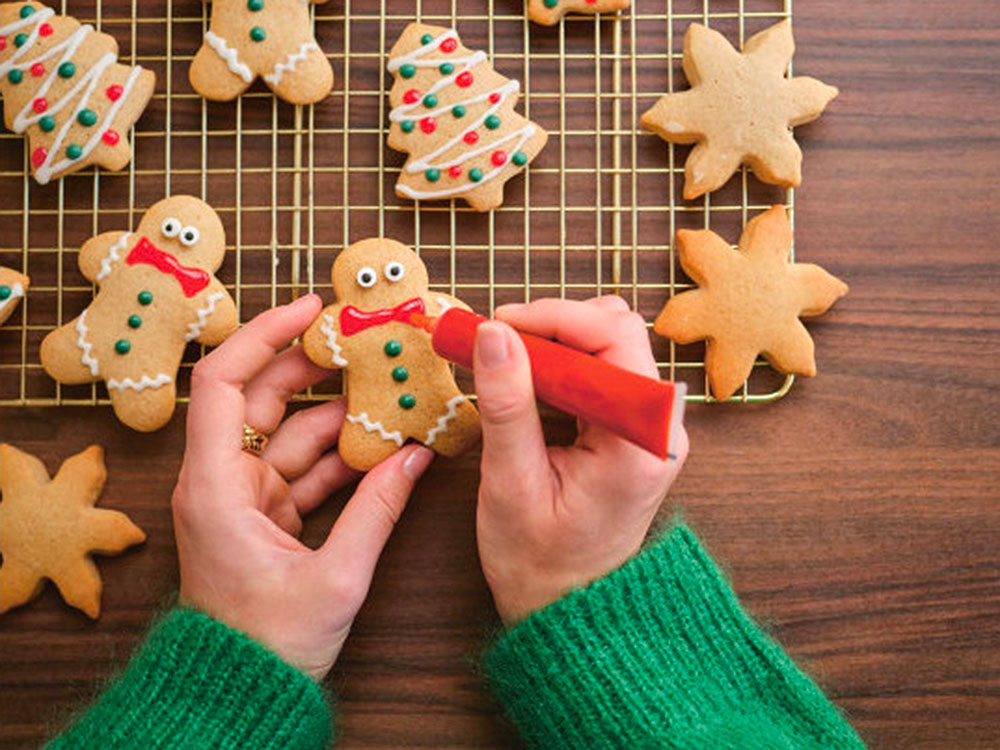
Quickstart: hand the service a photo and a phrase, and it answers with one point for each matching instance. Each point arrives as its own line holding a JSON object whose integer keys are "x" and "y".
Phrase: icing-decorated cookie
{"x": 51, "y": 528}
{"x": 549, "y": 12}
{"x": 157, "y": 293}
{"x": 398, "y": 389}
{"x": 272, "y": 39}
{"x": 739, "y": 109}
{"x": 749, "y": 301}
{"x": 62, "y": 85}
{"x": 454, "y": 115}
{"x": 13, "y": 286}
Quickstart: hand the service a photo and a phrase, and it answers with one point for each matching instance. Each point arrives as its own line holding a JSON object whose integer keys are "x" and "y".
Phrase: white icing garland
{"x": 229, "y": 56}
{"x": 364, "y": 420}
{"x": 85, "y": 346}
{"x": 16, "y": 292}
{"x": 113, "y": 256}
{"x": 293, "y": 59}
{"x": 195, "y": 329}
{"x": 442, "y": 423}
{"x": 142, "y": 384}
{"x": 331, "y": 341}
{"x": 402, "y": 113}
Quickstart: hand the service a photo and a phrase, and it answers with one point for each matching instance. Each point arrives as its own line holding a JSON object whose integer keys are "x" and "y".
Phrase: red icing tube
{"x": 644, "y": 411}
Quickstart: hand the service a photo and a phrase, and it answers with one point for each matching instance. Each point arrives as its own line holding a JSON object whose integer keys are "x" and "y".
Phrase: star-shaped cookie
{"x": 739, "y": 110}
{"x": 49, "y": 528}
{"x": 13, "y": 286}
{"x": 749, "y": 301}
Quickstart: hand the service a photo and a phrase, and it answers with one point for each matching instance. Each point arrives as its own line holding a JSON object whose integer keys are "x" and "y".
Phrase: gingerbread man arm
{"x": 324, "y": 343}
{"x": 100, "y": 256}
{"x": 215, "y": 316}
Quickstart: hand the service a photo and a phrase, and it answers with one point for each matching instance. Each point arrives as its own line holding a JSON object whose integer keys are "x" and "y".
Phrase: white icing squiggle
{"x": 331, "y": 341}
{"x": 113, "y": 256}
{"x": 444, "y": 304}
{"x": 229, "y": 56}
{"x": 140, "y": 385}
{"x": 195, "y": 329}
{"x": 442, "y": 423}
{"x": 16, "y": 292}
{"x": 274, "y": 78}
{"x": 364, "y": 420}
{"x": 85, "y": 346}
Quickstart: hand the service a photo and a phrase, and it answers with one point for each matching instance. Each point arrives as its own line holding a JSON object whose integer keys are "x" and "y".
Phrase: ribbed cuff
{"x": 657, "y": 654}
{"x": 198, "y": 684}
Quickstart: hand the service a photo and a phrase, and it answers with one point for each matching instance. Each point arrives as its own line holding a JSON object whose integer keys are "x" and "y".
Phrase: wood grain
{"x": 859, "y": 517}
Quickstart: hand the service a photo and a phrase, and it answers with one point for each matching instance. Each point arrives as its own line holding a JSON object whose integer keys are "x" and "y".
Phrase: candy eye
{"x": 171, "y": 227}
{"x": 190, "y": 236}
{"x": 367, "y": 277}
{"x": 394, "y": 271}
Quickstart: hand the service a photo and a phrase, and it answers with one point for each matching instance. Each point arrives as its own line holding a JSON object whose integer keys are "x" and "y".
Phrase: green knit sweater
{"x": 658, "y": 654}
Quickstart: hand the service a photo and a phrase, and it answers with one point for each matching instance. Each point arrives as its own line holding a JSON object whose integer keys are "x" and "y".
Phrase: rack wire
{"x": 596, "y": 213}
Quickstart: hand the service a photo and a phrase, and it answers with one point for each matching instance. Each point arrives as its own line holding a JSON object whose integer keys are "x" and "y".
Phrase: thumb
{"x": 513, "y": 442}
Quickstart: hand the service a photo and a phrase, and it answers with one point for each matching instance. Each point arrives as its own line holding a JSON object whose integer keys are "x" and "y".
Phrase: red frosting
{"x": 192, "y": 280}
{"x": 464, "y": 79}
{"x": 111, "y": 137}
{"x": 39, "y": 155}
{"x": 114, "y": 92}
{"x": 449, "y": 45}
{"x": 411, "y": 96}
{"x": 428, "y": 125}
{"x": 353, "y": 320}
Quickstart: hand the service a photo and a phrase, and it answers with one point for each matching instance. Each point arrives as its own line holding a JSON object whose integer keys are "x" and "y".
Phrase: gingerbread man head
{"x": 188, "y": 229}
{"x": 378, "y": 273}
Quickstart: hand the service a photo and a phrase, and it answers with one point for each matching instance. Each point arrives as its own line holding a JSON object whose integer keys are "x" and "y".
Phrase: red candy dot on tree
{"x": 39, "y": 155}
{"x": 111, "y": 137}
{"x": 499, "y": 158}
{"x": 449, "y": 45}
{"x": 464, "y": 79}
{"x": 428, "y": 125}
{"x": 455, "y": 171}
{"x": 45, "y": 29}
{"x": 494, "y": 97}
{"x": 3, "y": 43}
{"x": 411, "y": 96}
{"x": 40, "y": 105}
{"x": 114, "y": 93}
{"x": 471, "y": 137}
{"x": 38, "y": 70}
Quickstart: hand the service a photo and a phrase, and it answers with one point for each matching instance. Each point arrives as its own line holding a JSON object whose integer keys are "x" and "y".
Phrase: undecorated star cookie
{"x": 739, "y": 109}
{"x": 749, "y": 301}
{"x": 548, "y": 12}
{"x": 49, "y": 528}
{"x": 13, "y": 286}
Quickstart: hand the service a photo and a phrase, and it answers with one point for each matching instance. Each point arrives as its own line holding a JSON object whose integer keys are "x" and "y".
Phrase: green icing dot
{"x": 407, "y": 401}
{"x": 430, "y": 101}
{"x": 399, "y": 374}
{"x": 433, "y": 175}
{"x": 446, "y": 69}
{"x": 74, "y": 151}
{"x": 67, "y": 70}
{"x": 122, "y": 346}
{"x": 393, "y": 348}
{"x": 26, "y": 11}
{"x": 47, "y": 123}
{"x": 134, "y": 321}
{"x": 15, "y": 76}
{"x": 87, "y": 118}
{"x": 20, "y": 39}
{"x": 519, "y": 158}
{"x": 406, "y": 126}
{"x": 255, "y": 5}
{"x": 550, "y": 3}
{"x": 475, "y": 174}
{"x": 258, "y": 34}
{"x": 407, "y": 71}
{"x": 492, "y": 122}
{"x": 145, "y": 297}
{"x": 5, "y": 292}
{"x": 458, "y": 110}
{"x": 426, "y": 39}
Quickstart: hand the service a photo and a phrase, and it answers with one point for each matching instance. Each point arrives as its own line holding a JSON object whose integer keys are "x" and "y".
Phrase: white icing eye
{"x": 367, "y": 277}
{"x": 190, "y": 236}
{"x": 171, "y": 227}
{"x": 394, "y": 271}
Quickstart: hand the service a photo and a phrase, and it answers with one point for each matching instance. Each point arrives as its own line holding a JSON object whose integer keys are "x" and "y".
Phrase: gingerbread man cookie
{"x": 272, "y": 39}
{"x": 13, "y": 286}
{"x": 157, "y": 293}
{"x": 549, "y": 12}
{"x": 62, "y": 85}
{"x": 739, "y": 109}
{"x": 397, "y": 387}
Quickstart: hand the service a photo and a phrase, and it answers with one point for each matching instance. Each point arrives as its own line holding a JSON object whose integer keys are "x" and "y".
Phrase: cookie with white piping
{"x": 63, "y": 87}
{"x": 13, "y": 286}
{"x": 272, "y": 39}
{"x": 550, "y": 12}
{"x": 398, "y": 389}
{"x": 157, "y": 293}
{"x": 454, "y": 115}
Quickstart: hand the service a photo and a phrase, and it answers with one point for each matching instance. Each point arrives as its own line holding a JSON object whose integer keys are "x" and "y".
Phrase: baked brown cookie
{"x": 13, "y": 286}
{"x": 549, "y": 12}
{"x": 739, "y": 109}
{"x": 51, "y": 528}
{"x": 749, "y": 301}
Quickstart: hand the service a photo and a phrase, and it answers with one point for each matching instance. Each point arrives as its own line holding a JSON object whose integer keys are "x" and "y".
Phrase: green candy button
{"x": 492, "y": 122}
{"x": 26, "y": 11}
{"x": 519, "y": 158}
{"x": 475, "y": 174}
{"x": 47, "y": 123}
{"x": 406, "y": 126}
{"x": 87, "y": 118}
{"x": 20, "y": 39}
{"x": 145, "y": 298}
{"x": 15, "y": 76}
{"x": 73, "y": 151}
{"x": 407, "y": 71}
{"x": 122, "y": 346}
{"x": 550, "y": 3}
{"x": 258, "y": 34}
{"x": 446, "y": 69}
{"x": 399, "y": 374}
{"x": 433, "y": 175}
{"x": 5, "y": 292}
{"x": 407, "y": 401}
{"x": 134, "y": 321}
{"x": 255, "y": 5}
{"x": 67, "y": 70}
{"x": 426, "y": 39}
{"x": 458, "y": 110}
{"x": 430, "y": 101}
{"x": 393, "y": 348}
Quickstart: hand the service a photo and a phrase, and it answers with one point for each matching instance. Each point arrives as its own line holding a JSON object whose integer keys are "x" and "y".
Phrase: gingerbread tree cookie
{"x": 549, "y": 12}
{"x": 272, "y": 39}
{"x": 398, "y": 389}
{"x": 62, "y": 85}
{"x": 749, "y": 301}
{"x": 50, "y": 529}
{"x": 157, "y": 293}
{"x": 13, "y": 286}
{"x": 739, "y": 109}
{"x": 454, "y": 115}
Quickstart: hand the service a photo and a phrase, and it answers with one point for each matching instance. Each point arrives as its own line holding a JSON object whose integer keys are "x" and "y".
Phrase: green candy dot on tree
{"x": 492, "y": 122}
{"x": 406, "y": 126}
{"x": 26, "y": 11}
{"x": 87, "y": 118}
{"x": 458, "y": 110}
{"x": 67, "y": 70}
{"x": 407, "y": 401}
{"x": 145, "y": 298}
{"x": 393, "y": 348}
{"x": 255, "y": 5}
{"x": 20, "y": 39}
{"x": 519, "y": 158}
{"x": 134, "y": 321}
{"x": 433, "y": 175}
{"x": 430, "y": 101}
{"x": 258, "y": 34}
{"x": 407, "y": 71}
{"x": 475, "y": 174}
{"x": 73, "y": 151}
{"x": 122, "y": 346}
{"x": 400, "y": 374}
{"x": 47, "y": 124}
{"x": 5, "y": 292}
{"x": 550, "y": 3}
{"x": 426, "y": 39}
{"x": 15, "y": 76}
{"x": 446, "y": 69}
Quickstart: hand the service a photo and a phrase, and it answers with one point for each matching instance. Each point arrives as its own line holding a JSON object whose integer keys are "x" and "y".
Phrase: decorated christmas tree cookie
{"x": 63, "y": 87}
{"x": 13, "y": 286}
{"x": 454, "y": 115}
{"x": 548, "y": 12}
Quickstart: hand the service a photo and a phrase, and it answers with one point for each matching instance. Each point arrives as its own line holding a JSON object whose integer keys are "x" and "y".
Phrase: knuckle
{"x": 505, "y": 409}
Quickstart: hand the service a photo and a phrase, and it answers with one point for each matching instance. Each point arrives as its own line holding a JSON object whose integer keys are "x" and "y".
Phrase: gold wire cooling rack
{"x": 596, "y": 213}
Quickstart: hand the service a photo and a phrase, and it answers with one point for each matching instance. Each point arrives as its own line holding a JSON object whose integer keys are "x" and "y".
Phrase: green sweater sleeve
{"x": 659, "y": 654}
{"x": 198, "y": 684}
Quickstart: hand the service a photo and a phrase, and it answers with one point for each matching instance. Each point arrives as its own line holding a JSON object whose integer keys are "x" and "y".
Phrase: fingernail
{"x": 417, "y": 462}
{"x": 491, "y": 345}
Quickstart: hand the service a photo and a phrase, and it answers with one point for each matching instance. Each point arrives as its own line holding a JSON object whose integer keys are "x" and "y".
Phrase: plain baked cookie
{"x": 739, "y": 109}
{"x": 454, "y": 115}
{"x": 549, "y": 12}
{"x": 157, "y": 293}
{"x": 272, "y": 39}
{"x": 62, "y": 85}
{"x": 13, "y": 286}
{"x": 749, "y": 301}
{"x": 398, "y": 389}
{"x": 50, "y": 528}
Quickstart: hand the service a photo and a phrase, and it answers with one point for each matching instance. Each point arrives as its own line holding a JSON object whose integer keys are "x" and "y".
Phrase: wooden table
{"x": 859, "y": 517}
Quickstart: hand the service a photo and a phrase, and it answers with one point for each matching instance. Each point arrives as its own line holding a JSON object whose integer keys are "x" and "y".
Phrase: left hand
{"x": 237, "y": 516}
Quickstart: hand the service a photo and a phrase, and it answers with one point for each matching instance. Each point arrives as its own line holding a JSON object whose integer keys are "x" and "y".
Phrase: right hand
{"x": 553, "y": 519}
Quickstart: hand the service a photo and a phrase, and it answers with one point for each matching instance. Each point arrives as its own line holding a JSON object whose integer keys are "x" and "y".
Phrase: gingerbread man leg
{"x": 362, "y": 449}
{"x": 459, "y": 433}
{"x": 214, "y": 79}
{"x": 65, "y": 360}
{"x": 146, "y": 409}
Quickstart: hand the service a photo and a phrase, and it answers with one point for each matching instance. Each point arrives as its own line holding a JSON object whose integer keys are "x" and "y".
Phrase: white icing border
{"x": 196, "y": 328}
{"x": 330, "y": 332}
{"x": 16, "y": 293}
{"x": 229, "y": 56}
{"x": 293, "y": 59}
{"x": 113, "y": 256}
{"x": 85, "y": 346}
{"x": 142, "y": 384}
{"x": 442, "y": 423}
{"x": 365, "y": 421}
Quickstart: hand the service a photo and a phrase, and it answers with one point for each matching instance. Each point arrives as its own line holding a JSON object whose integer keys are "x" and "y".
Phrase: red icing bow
{"x": 353, "y": 320}
{"x": 192, "y": 280}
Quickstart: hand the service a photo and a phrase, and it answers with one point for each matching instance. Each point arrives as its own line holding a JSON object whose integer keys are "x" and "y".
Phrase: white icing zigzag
{"x": 370, "y": 426}
{"x": 16, "y": 292}
{"x": 85, "y": 346}
{"x": 195, "y": 329}
{"x": 331, "y": 341}
{"x": 143, "y": 383}
{"x": 444, "y": 304}
{"x": 442, "y": 423}
{"x": 113, "y": 256}
{"x": 229, "y": 55}
{"x": 274, "y": 78}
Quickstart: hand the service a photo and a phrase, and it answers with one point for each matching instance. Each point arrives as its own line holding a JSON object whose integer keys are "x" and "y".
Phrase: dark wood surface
{"x": 859, "y": 517}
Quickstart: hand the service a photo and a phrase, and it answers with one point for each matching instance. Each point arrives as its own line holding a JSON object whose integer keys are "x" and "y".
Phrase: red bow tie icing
{"x": 192, "y": 280}
{"x": 353, "y": 320}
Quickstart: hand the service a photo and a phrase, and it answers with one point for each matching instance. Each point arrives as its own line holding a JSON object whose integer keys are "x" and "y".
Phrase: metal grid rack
{"x": 295, "y": 185}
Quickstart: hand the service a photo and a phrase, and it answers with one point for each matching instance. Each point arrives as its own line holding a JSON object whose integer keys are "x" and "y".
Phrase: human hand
{"x": 237, "y": 517}
{"x": 553, "y": 519}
